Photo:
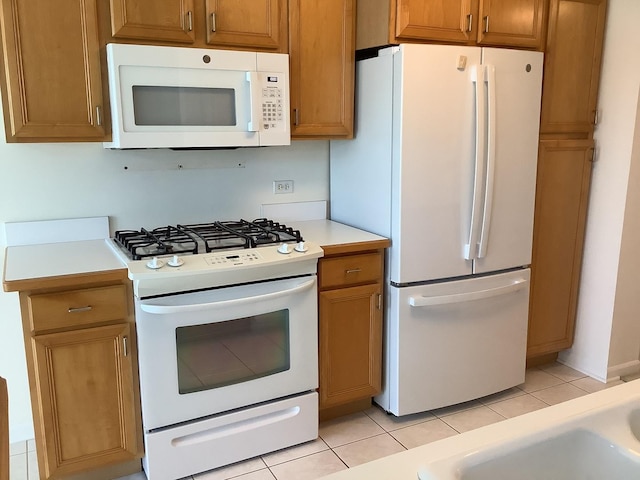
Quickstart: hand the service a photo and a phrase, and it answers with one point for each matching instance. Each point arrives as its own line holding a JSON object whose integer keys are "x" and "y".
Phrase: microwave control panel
{"x": 272, "y": 115}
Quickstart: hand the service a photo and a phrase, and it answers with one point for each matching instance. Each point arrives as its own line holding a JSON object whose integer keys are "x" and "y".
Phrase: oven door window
{"x": 225, "y": 353}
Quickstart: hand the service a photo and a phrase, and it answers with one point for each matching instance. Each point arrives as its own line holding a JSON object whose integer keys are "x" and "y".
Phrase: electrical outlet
{"x": 283, "y": 186}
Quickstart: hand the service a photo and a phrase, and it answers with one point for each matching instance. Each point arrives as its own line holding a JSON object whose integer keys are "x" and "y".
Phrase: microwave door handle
{"x": 255, "y": 96}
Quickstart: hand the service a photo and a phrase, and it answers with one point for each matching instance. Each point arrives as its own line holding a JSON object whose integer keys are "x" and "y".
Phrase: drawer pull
{"x": 354, "y": 270}
{"x": 79, "y": 309}
{"x": 125, "y": 346}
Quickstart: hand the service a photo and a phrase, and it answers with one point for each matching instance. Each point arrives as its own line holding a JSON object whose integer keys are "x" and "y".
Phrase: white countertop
{"x": 26, "y": 262}
{"x": 329, "y": 233}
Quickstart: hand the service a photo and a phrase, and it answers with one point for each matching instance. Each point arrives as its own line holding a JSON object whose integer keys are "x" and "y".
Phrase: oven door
{"x": 208, "y": 352}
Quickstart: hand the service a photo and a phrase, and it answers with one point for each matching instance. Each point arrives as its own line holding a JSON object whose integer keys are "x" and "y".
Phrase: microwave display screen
{"x": 184, "y": 106}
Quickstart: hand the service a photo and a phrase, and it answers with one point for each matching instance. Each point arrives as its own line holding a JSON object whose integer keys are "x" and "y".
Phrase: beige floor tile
{"x": 500, "y": 396}
{"x": 136, "y": 476}
{"x": 349, "y": 428}
{"x": 423, "y": 433}
{"x": 390, "y": 422}
{"x": 559, "y": 393}
{"x": 592, "y": 385}
{"x": 309, "y": 467}
{"x": 292, "y": 453}
{"x": 32, "y": 466}
{"x": 537, "y": 380}
{"x": 369, "y": 449}
{"x": 453, "y": 409}
{"x": 563, "y": 372}
{"x": 232, "y": 470}
{"x": 516, "y": 406}
{"x": 472, "y": 419}
{"x": 18, "y": 467}
{"x": 258, "y": 475}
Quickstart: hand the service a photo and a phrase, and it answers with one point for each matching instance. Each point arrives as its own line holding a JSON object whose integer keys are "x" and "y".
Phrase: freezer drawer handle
{"x": 424, "y": 301}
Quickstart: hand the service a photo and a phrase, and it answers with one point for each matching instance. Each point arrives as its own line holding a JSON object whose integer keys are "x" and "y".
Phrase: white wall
{"x": 611, "y": 192}
{"x": 51, "y": 181}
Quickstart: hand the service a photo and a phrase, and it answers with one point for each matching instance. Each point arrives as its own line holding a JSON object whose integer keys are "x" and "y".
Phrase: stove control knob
{"x": 284, "y": 248}
{"x": 155, "y": 263}
{"x": 301, "y": 247}
{"x": 176, "y": 261}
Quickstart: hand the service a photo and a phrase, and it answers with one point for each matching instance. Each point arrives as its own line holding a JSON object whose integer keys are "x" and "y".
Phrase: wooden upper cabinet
{"x": 257, "y": 23}
{"x": 516, "y": 23}
{"x": 51, "y": 85}
{"x": 446, "y": 20}
{"x": 322, "y": 64}
{"x": 509, "y": 23}
{"x": 239, "y": 24}
{"x": 572, "y": 66}
{"x": 164, "y": 20}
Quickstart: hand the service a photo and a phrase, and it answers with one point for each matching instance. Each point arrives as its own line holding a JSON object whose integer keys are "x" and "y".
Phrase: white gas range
{"x": 226, "y": 320}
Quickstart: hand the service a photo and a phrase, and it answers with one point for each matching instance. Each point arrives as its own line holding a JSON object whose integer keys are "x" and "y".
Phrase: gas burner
{"x": 204, "y": 237}
{"x": 159, "y": 241}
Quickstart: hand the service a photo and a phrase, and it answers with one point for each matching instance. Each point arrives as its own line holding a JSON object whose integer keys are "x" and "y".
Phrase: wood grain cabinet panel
{"x": 562, "y": 193}
{"x": 163, "y": 20}
{"x": 572, "y": 66}
{"x": 51, "y": 85}
{"x": 322, "y": 65}
{"x": 507, "y": 23}
{"x": 261, "y": 24}
{"x": 350, "y": 310}
{"x": 350, "y": 341}
{"x": 226, "y": 24}
{"x": 82, "y": 368}
{"x": 85, "y": 399}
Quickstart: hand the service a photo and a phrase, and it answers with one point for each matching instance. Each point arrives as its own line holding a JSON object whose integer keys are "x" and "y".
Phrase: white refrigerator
{"x": 444, "y": 163}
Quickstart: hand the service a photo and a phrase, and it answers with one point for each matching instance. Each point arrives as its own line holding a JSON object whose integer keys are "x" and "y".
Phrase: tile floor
{"x": 354, "y": 439}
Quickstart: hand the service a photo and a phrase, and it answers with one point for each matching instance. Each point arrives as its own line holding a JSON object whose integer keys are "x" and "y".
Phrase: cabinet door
{"x": 350, "y": 341}
{"x": 162, "y": 20}
{"x": 259, "y": 24}
{"x": 322, "y": 64}
{"x": 572, "y": 65}
{"x": 85, "y": 385}
{"x": 564, "y": 176}
{"x": 51, "y": 88}
{"x": 444, "y": 20}
{"x": 516, "y": 23}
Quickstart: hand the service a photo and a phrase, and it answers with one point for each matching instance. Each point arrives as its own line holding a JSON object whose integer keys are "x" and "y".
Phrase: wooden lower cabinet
{"x": 564, "y": 178}
{"x": 350, "y": 331}
{"x": 81, "y": 358}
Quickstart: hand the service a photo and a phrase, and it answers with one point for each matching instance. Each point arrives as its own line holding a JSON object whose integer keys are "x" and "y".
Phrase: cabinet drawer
{"x": 350, "y": 270}
{"x": 77, "y": 308}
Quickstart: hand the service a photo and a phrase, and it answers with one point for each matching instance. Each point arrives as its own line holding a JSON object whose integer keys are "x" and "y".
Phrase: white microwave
{"x": 177, "y": 97}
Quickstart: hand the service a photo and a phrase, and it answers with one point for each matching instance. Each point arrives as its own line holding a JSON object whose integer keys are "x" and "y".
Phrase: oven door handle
{"x": 168, "y": 309}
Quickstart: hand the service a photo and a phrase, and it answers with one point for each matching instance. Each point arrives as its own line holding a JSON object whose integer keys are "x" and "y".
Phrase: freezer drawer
{"x": 451, "y": 342}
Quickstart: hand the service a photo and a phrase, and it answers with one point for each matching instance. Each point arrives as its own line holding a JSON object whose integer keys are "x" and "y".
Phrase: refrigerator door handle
{"x": 428, "y": 301}
{"x": 490, "y": 78}
{"x": 477, "y": 78}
